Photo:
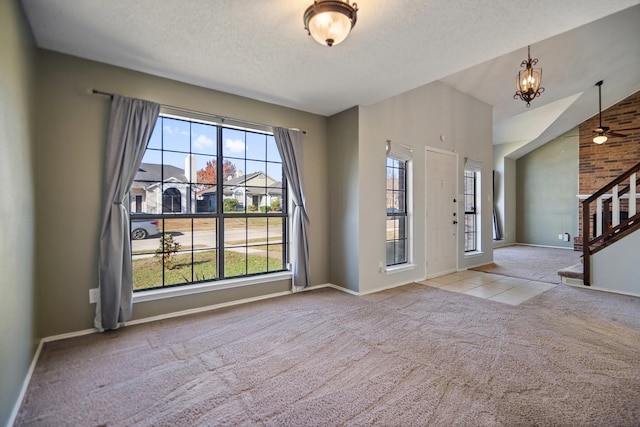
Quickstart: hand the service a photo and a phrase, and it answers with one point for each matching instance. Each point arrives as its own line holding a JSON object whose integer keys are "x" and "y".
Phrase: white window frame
{"x": 475, "y": 167}
{"x": 403, "y": 153}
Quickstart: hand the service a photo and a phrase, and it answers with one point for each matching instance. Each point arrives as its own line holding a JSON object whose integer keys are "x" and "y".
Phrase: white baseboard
{"x": 482, "y": 264}
{"x": 542, "y": 246}
{"x": 25, "y": 386}
{"x": 576, "y": 283}
{"x": 339, "y": 288}
{"x": 371, "y": 291}
{"x": 442, "y": 273}
{"x": 573, "y": 282}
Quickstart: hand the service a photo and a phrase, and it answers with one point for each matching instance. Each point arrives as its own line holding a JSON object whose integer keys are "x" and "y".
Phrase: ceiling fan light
{"x": 329, "y": 22}
{"x": 599, "y": 139}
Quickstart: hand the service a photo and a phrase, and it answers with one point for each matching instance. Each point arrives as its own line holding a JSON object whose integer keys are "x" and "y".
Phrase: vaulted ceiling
{"x": 259, "y": 49}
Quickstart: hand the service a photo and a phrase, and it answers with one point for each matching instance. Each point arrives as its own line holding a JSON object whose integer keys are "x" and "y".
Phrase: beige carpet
{"x": 409, "y": 356}
{"x": 531, "y": 262}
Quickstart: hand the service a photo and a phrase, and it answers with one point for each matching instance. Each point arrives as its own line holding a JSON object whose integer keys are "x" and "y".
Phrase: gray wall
{"x": 415, "y": 119}
{"x": 71, "y": 131}
{"x": 505, "y": 191}
{"x": 435, "y": 116}
{"x": 343, "y": 204}
{"x": 17, "y": 314}
{"x": 547, "y": 185}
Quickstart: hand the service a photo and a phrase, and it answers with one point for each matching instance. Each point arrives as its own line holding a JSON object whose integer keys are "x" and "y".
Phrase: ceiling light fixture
{"x": 528, "y": 80}
{"x": 600, "y": 139}
{"x": 599, "y": 132}
{"x": 330, "y": 21}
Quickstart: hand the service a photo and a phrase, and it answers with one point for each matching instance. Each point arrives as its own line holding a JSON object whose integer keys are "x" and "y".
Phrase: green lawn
{"x": 147, "y": 272}
{"x": 205, "y": 224}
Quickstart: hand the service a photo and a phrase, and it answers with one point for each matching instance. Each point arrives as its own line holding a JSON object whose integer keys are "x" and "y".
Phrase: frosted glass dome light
{"x": 330, "y": 21}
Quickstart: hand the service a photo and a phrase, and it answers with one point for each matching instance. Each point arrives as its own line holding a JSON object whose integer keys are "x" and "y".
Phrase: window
{"x": 470, "y": 212}
{"x": 214, "y": 205}
{"x": 397, "y": 223}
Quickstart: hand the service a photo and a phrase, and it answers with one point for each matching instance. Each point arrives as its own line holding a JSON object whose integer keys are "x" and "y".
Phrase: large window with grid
{"x": 470, "y": 212}
{"x": 397, "y": 223}
{"x": 209, "y": 202}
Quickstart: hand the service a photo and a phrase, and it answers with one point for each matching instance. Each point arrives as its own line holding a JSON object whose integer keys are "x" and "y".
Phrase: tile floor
{"x": 508, "y": 290}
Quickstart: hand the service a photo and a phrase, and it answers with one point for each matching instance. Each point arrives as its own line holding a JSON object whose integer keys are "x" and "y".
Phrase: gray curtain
{"x": 289, "y": 144}
{"x": 130, "y": 127}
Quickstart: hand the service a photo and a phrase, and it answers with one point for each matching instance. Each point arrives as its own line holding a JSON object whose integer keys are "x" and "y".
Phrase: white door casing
{"x": 441, "y": 212}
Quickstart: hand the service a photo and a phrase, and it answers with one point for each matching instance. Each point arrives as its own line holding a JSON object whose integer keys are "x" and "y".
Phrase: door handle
{"x": 455, "y": 222}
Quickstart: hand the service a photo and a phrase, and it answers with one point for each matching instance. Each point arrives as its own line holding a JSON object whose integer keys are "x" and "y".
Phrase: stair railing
{"x": 607, "y": 224}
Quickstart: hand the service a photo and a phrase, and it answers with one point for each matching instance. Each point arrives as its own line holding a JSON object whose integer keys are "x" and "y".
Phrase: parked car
{"x": 143, "y": 228}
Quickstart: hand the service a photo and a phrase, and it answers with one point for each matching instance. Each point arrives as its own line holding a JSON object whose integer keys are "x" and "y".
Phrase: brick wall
{"x": 600, "y": 164}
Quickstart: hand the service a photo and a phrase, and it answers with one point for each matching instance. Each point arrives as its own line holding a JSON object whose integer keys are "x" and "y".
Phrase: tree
{"x": 167, "y": 250}
{"x": 207, "y": 175}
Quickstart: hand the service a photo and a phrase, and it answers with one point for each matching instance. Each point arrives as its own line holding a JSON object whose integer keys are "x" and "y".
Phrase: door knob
{"x": 455, "y": 222}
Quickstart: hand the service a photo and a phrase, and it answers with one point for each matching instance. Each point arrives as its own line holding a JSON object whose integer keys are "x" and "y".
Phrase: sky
{"x": 173, "y": 139}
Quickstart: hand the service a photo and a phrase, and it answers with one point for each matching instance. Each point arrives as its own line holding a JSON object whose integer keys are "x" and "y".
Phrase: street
{"x": 203, "y": 239}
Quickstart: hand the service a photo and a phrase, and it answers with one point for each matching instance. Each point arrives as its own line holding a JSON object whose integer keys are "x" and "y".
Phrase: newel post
{"x": 586, "y": 258}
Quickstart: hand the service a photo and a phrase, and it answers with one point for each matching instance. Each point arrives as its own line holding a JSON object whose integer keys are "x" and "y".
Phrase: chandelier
{"x": 528, "y": 80}
{"x": 330, "y": 21}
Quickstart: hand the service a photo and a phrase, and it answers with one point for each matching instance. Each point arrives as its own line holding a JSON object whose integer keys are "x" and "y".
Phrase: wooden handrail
{"x": 613, "y": 183}
{"x": 613, "y": 234}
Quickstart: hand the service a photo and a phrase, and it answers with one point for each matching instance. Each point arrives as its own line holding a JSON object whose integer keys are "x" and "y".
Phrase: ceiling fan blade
{"x": 627, "y": 129}
{"x": 616, "y": 135}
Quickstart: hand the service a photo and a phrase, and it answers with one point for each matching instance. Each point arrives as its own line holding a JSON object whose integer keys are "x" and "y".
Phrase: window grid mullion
{"x": 220, "y": 205}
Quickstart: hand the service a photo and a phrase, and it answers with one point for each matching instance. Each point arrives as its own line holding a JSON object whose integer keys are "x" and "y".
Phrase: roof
{"x": 275, "y": 188}
{"x": 152, "y": 173}
{"x": 239, "y": 181}
{"x": 242, "y": 178}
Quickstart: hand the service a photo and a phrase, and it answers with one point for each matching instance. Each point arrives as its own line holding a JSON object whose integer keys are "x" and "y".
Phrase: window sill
{"x": 157, "y": 294}
{"x": 473, "y": 254}
{"x": 399, "y": 268}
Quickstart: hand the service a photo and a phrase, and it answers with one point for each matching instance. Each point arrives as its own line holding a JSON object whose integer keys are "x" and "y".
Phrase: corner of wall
{"x": 17, "y": 218}
{"x": 342, "y": 138}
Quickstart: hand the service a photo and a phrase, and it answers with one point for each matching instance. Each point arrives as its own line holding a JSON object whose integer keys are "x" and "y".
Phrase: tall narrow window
{"x": 470, "y": 211}
{"x": 397, "y": 225}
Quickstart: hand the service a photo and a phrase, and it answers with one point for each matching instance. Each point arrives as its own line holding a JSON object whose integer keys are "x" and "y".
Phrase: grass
{"x": 274, "y": 241}
{"x": 207, "y": 224}
{"x": 147, "y": 272}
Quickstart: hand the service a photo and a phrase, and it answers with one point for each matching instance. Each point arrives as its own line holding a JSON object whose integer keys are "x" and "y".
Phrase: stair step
{"x": 575, "y": 271}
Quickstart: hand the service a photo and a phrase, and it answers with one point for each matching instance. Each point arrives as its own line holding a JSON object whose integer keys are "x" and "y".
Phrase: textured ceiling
{"x": 260, "y": 49}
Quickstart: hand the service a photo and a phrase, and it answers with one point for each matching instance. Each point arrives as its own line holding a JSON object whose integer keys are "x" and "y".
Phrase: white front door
{"x": 441, "y": 221}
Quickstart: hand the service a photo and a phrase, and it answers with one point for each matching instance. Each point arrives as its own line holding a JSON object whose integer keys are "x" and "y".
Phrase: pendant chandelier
{"x": 528, "y": 80}
{"x": 330, "y": 21}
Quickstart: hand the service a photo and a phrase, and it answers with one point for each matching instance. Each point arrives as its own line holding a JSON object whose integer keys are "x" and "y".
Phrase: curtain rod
{"x": 223, "y": 118}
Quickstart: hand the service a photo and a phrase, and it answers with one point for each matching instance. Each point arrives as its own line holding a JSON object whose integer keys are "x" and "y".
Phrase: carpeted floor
{"x": 531, "y": 262}
{"x": 413, "y": 355}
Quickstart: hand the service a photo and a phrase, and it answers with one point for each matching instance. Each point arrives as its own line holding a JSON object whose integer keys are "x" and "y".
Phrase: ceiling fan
{"x": 601, "y": 133}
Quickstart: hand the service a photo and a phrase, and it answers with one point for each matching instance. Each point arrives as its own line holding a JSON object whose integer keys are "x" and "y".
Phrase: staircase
{"x": 608, "y": 216}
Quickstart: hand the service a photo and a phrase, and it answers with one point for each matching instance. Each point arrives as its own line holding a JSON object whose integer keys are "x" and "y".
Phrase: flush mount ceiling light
{"x": 528, "y": 80}
{"x": 330, "y": 21}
